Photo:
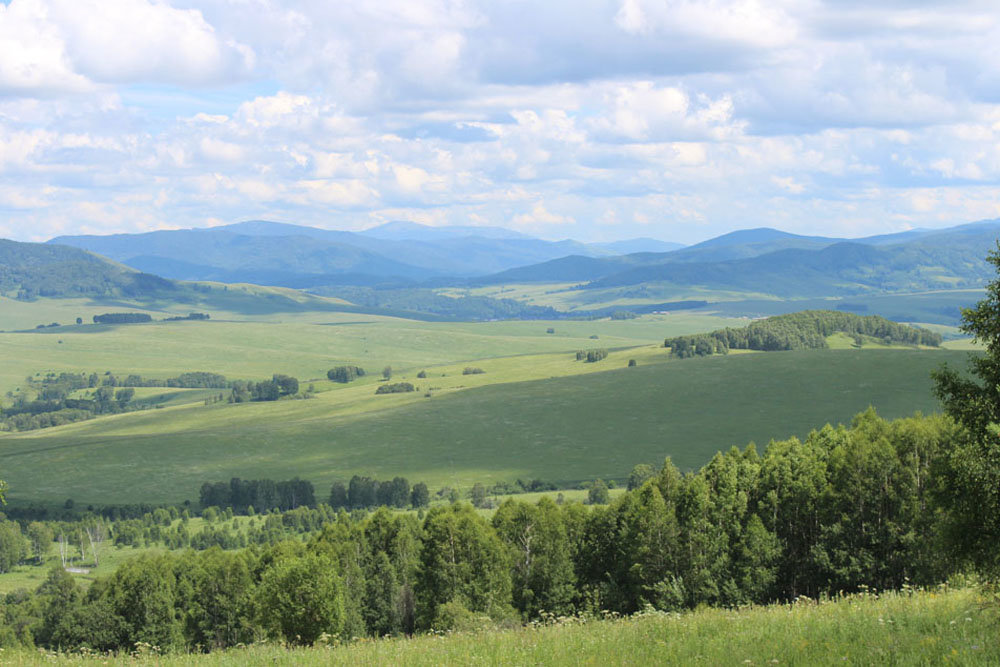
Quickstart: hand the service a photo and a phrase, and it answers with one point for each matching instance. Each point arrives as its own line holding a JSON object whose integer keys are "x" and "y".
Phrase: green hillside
{"x": 563, "y": 429}
{"x": 30, "y": 270}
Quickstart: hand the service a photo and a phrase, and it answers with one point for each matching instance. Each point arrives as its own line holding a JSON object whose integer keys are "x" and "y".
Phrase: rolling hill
{"x": 564, "y": 429}
{"x": 30, "y": 270}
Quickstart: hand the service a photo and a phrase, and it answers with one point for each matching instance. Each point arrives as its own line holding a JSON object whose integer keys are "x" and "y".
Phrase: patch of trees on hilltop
{"x": 345, "y": 374}
{"x": 798, "y": 331}
{"x": 277, "y": 387}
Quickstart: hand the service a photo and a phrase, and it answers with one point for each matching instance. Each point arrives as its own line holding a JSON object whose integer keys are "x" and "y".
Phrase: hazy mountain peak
{"x": 402, "y": 230}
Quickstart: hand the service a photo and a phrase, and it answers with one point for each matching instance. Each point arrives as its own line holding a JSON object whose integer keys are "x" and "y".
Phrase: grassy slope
{"x": 947, "y": 627}
{"x": 297, "y": 344}
{"x": 566, "y": 428}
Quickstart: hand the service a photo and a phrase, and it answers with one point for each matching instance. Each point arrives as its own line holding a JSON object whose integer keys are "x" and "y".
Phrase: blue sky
{"x": 599, "y": 120}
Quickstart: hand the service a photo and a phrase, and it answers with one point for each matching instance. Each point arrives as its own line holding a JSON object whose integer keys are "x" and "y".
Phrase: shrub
{"x": 470, "y": 370}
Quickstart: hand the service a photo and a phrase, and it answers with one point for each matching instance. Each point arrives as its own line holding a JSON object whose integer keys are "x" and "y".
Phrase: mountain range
{"x": 760, "y": 261}
{"x": 773, "y": 262}
{"x": 271, "y": 253}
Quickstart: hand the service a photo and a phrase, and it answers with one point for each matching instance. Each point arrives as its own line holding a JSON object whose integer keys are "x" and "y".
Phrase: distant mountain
{"x": 761, "y": 261}
{"x": 642, "y": 244}
{"x": 267, "y": 259}
{"x": 30, "y": 270}
{"x": 412, "y": 231}
{"x": 273, "y": 253}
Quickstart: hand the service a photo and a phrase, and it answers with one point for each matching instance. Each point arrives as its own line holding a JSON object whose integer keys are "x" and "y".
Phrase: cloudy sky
{"x": 589, "y": 119}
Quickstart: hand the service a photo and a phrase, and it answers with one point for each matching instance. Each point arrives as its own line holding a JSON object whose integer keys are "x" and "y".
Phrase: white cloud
{"x": 68, "y": 46}
{"x": 675, "y": 117}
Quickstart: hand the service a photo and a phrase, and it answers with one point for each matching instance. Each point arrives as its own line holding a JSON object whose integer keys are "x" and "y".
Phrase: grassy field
{"x": 923, "y": 628}
{"x": 308, "y": 344}
{"x": 563, "y": 429}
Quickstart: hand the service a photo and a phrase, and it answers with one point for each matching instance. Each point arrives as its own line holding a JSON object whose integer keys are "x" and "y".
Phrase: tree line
{"x": 46, "y": 400}
{"x": 364, "y": 492}
{"x": 796, "y": 331}
{"x": 242, "y": 496}
{"x": 277, "y": 387}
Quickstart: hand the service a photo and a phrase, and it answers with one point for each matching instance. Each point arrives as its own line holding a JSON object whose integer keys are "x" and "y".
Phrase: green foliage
{"x": 345, "y": 374}
{"x": 265, "y": 494}
{"x": 277, "y": 387}
{"x": 122, "y": 318}
{"x": 797, "y": 331}
{"x": 462, "y": 560}
{"x": 394, "y": 388}
{"x": 301, "y": 598}
{"x": 539, "y": 550}
{"x": 420, "y": 496}
{"x": 591, "y": 356}
{"x": 598, "y": 493}
{"x": 472, "y": 370}
{"x": 640, "y": 473}
{"x": 13, "y": 545}
{"x": 972, "y": 491}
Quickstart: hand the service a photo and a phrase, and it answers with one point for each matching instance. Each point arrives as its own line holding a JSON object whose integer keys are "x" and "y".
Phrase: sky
{"x": 587, "y": 119}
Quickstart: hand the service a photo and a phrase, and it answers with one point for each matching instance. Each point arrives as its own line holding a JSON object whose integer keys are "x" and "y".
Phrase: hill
{"x": 30, "y": 270}
{"x": 565, "y": 429}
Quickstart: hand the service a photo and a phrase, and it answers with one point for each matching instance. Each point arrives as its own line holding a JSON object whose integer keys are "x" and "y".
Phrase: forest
{"x": 804, "y": 330}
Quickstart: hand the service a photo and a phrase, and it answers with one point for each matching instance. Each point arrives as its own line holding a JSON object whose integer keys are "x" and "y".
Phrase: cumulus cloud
{"x": 58, "y": 46}
{"x": 675, "y": 118}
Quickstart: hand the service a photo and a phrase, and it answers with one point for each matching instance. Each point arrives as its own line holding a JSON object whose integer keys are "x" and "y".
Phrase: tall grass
{"x": 909, "y": 628}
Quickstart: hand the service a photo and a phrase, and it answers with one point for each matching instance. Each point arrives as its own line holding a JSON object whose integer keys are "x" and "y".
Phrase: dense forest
{"x": 807, "y": 329}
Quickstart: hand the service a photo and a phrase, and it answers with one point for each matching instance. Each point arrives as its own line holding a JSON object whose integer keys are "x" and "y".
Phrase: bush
{"x": 470, "y": 370}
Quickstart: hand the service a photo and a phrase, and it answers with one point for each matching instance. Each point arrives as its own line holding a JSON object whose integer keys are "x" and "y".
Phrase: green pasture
{"x": 562, "y": 429}
{"x": 307, "y": 348}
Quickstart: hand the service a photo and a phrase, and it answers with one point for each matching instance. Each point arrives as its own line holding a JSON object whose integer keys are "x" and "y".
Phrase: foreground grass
{"x": 947, "y": 627}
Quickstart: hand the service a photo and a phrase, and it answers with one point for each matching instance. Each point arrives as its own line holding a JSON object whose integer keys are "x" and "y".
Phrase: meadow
{"x": 303, "y": 344}
{"x": 475, "y": 428}
{"x": 947, "y": 626}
